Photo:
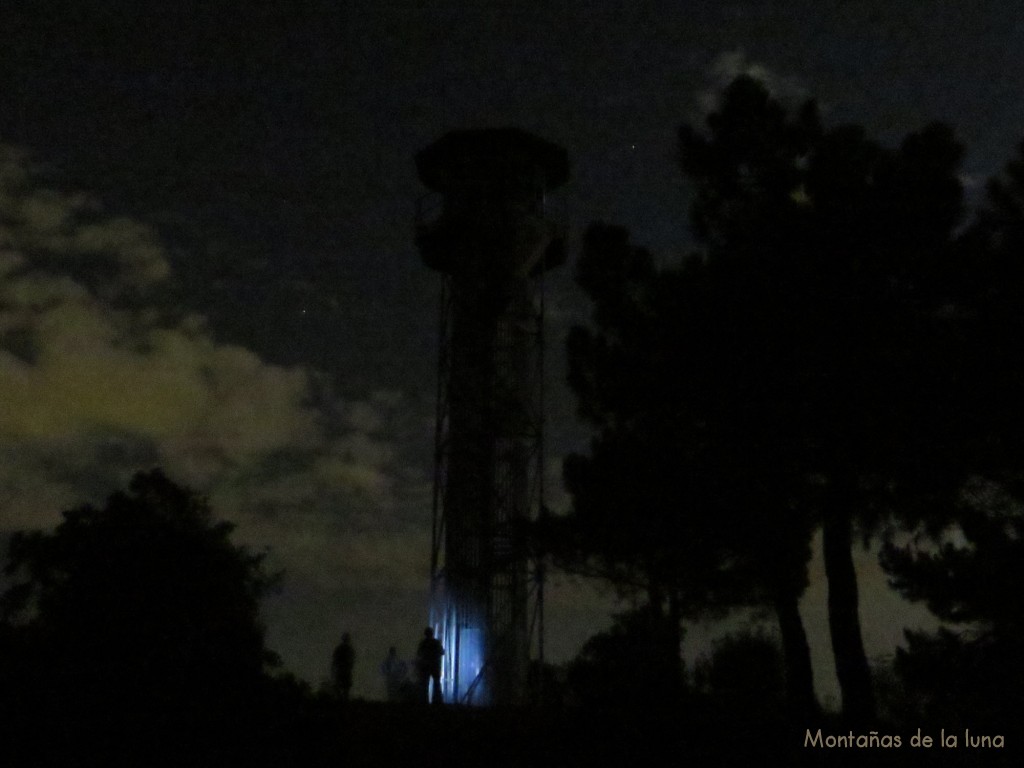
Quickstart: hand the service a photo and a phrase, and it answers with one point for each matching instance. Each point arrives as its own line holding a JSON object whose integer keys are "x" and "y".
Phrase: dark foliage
{"x": 818, "y": 364}
{"x": 745, "y": 673}
{"x": 967, "y": 567}
{"x": 971, "y": 670}
{"x": 137, "y": 608}
{"x": 626, "y": 667}
{"x": 837, "y": 251}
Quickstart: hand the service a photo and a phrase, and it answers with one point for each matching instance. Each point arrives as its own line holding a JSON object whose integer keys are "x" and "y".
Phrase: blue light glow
{"x": 471, "y": 662}
{"x": 463, "y": 663}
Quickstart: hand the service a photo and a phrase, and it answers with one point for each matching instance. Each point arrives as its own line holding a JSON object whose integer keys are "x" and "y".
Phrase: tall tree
{"x": 681, "y": 496}
{"x": 625, "y": 523}
{"x": 690, "y": 482}
{"x": 967, "y": 566}
{"x": 834, "y": 244}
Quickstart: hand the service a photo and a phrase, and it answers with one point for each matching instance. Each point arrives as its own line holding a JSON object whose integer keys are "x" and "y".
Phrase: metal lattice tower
{"x": 488, "y": 236}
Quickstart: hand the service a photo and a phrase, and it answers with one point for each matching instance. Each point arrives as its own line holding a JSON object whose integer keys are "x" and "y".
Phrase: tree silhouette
{"x": 142, "y": 605}
{"x": 986, "y": 285}
{"x": 801, "y": 371}
{"x": 970, "y": 671}
{"x": 745, "y": 671}
{"x": 688, "y": 483}
{"x": 836, "y": 248}
{"x": 681, "y": 497}
{"x": 967, "y": 566}
{"x": 624, "y": 667}
{"x": 626, "y": 525}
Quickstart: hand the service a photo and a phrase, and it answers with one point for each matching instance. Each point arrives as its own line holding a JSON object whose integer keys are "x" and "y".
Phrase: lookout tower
{"x": 483, "y": 227}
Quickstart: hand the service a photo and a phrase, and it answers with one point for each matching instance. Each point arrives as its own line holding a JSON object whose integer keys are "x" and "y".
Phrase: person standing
{"x": 428, "y": 666}
{"x": 341, "y": 667}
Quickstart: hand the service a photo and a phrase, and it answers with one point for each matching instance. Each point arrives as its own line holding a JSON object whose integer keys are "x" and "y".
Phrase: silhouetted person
{"x": 428, "y": 666}
{"x": 341, "y": 666}
{"x": 396, "y": 673}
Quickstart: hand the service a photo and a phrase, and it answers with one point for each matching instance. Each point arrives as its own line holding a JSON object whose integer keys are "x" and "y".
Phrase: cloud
{"x": 76, "y": 358}
{"x": 70, "y": 233}
{"x": 100, "y": 377}
{"x": 729, "y": 65}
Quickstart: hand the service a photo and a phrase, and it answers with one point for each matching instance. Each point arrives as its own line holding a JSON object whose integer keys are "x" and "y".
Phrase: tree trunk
{"x": 797, "y": 657}
{"x": 843, "y": 618}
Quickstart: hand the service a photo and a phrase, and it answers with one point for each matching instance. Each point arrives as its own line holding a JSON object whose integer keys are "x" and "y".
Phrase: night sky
{"x": 207, "y": 258}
